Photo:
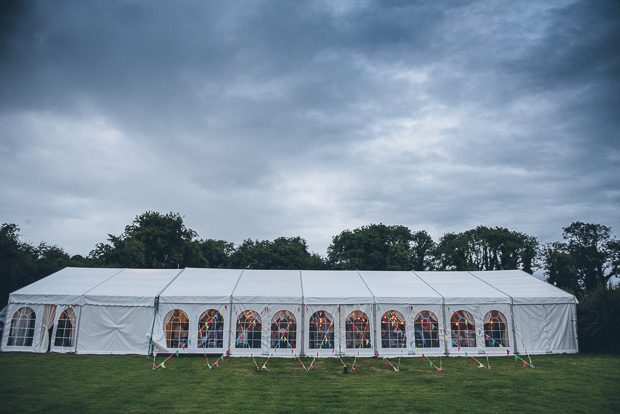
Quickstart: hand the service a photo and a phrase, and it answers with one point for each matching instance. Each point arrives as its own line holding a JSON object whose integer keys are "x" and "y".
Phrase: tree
{"x": 486, "y": 248}
{"x": 380, "y": 247}
{"x": 217, "y": 252}
{"x": 282, "y": 253}
{"x": 152, "y": 241}
{"x": 22, "y": 263}
{"x": 587, "y": 258}
{"x": 599, "y": 320}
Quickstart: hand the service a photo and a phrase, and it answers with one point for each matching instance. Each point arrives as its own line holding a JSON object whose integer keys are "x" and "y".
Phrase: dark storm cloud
{"x": 261, "y": 119}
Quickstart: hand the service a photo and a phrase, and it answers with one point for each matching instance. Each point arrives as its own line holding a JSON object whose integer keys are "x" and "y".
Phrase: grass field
{"x": 87, "y": 383}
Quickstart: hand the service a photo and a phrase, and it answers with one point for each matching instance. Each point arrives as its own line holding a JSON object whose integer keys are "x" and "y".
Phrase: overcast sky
{"x": 259, "y": 119}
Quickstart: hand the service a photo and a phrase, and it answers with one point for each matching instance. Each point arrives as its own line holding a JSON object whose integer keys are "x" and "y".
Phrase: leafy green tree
{"x": 152, "y": 241}
{"x": 217, "y": 252}
{"x": 380, "y": 247}
{"x": 599, "y": 320}
{"x": 486, "y": 248}
{"x": 588, "y": 257}
{"x": 22, "y": 263}
{"x": 282, "y": 253}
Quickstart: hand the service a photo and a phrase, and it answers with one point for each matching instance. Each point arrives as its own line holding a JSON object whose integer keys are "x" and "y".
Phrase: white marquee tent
{"x": 290, "y": 312}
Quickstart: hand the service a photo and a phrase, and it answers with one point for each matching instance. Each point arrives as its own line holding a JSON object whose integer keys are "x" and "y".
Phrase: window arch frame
{"x": 321, "y": 330}
{"x": 176, "y": 328}
{"x": 283, "y": 330}
{"x": 249, "y": 330}
{"x": 426, "y": 330}
{"x": 21, "y": 332}
{"x": 211, "y": 329}
{"x": 393, "y": 338}
{"x": 464, "y": 333}
{"x": 65, "y": 335}
{"x": 496, "y": 329}
{"x": 356, "y": 337}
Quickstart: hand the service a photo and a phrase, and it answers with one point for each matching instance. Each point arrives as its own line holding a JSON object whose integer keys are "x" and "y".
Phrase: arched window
{"x": 211, "y": 330}
{"x": 463, "y": 329}
{"x": 321, "y": 330}
{"x": 495, "y": 329}
{"x": 249, "y": 329}
{"x": 176, "y": 327}
{"x": 283, "y": 330}
{"x": 65, "y": 331}
{"x": 426, "y": 330}
{"x": 357, "y": 330}
{"x": 22, "y": 327}
{"x": 393, "y": 330}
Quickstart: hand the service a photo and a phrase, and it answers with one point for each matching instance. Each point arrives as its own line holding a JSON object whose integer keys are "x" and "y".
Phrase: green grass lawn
{"x": 88, "y": 383}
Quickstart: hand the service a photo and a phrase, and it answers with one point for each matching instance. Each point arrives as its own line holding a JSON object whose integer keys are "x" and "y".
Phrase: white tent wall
{"x": 546, "y": 329}
{"x": 114, "y": 329}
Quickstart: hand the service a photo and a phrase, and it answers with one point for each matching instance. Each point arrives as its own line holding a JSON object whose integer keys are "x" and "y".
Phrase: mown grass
{"x": 87, "y": 383}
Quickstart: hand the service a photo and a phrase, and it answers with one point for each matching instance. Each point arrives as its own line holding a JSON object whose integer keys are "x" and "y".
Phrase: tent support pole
{"x": 77, "y": 329}
{"x": 156, "y": 307}
{"x": 512, "y": 319}
{"x": 445, "y": 331}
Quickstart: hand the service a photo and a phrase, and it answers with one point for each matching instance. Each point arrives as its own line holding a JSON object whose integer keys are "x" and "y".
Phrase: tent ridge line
{"x": 374, "y": 298}
{"x": 169, "y": 283}
{"x": 114, "y": 275}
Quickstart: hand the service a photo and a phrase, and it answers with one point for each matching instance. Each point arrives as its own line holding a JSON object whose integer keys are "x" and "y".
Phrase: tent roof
{"x": 399, "y": 287}
{"x": 139, "y": 287}
{"x": 65, "y": 287}
{"x": 132, "y": 287}
{"x": 462, "y": 288}
{"x": 525, "y": 288}
{"x": 202, "y": 286}
{"x": 268, "y": 286}
{"x": 334, "y": 287}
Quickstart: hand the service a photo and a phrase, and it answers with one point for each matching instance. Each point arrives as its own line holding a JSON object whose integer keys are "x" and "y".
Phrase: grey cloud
{"x": 279, "y": 118}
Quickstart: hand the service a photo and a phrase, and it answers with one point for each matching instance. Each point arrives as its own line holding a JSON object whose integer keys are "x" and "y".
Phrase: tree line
{"x": 583, "y": 263}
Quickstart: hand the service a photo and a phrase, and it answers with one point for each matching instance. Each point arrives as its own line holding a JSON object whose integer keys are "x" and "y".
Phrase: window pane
{"x": 321, "y": 330}
{"x": 211, "y": 330}
{"x": 176, "y": 327}
{"x": 357, "y": 330}
{"x": 462, "y": 325}
{"x": 249, "y": 329}
{"x": 283, "y": 330}
{"x": 495, "y": 329}
{"x": 22, "y": 328}
{"x": 65, "y": 331}
{"x": 426, "y": 330}
{"x": 393, "y": 330}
